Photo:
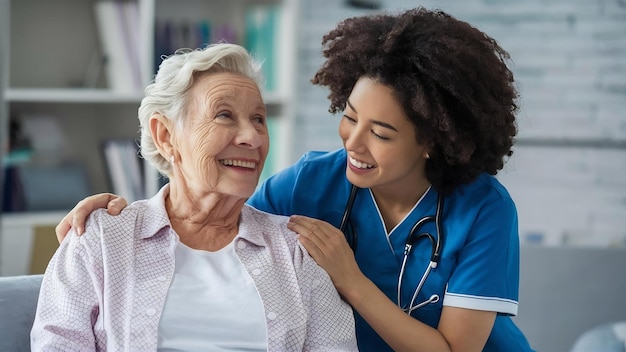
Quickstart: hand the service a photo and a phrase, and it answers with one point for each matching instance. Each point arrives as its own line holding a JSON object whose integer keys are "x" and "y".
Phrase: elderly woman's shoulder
{"x": 264, "y": 216}
{"x": 264, "y": 220}
{"x": 132, "y": 209}
{"x": 100, "y": 221}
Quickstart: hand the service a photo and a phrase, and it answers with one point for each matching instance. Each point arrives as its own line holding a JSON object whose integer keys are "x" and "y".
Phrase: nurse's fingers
{"x": 312, "y": 248}
{"x": 305, "y": 229}
{"x": 312, "y": 226}
{"x": 328, "y": 247}
{"x": 327, "y": 239}
{"x": 63, "y": 228}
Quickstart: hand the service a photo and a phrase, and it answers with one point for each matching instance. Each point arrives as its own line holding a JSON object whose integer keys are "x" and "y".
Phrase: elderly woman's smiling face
{"x": 224, "y": 140}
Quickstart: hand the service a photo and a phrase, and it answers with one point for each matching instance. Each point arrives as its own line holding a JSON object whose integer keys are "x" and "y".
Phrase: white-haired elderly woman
{"x": 194, "y": 268}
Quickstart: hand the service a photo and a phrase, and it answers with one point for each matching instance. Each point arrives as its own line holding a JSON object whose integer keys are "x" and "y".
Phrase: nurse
{"x": 427, "y": 107}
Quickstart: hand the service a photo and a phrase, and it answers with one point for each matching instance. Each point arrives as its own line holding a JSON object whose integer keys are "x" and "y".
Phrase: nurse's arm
{"x": 459, "y": 329}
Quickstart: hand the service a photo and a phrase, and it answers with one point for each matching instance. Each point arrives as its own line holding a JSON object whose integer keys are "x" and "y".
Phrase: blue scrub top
{"x": 479, "y": 266}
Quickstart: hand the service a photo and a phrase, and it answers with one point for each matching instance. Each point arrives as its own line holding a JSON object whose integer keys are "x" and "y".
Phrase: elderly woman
{"x": 194, "y": 268}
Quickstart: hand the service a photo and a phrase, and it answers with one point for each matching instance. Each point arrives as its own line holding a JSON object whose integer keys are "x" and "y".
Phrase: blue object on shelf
{"x": 31, "y": 187}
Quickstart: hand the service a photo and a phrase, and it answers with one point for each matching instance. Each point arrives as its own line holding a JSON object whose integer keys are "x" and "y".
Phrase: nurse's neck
{"x": 395, "y": 203}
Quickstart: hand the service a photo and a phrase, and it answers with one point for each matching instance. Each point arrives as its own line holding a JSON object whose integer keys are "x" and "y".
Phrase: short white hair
{"x": 168, "y": 95}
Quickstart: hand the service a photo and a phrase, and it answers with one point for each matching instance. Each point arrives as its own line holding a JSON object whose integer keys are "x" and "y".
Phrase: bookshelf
{"x": 51, "y": 69}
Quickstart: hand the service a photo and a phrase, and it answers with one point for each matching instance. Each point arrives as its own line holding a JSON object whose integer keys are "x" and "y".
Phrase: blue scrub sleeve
{"x": 487, "y": 271}
{"x": 275, "y": 195}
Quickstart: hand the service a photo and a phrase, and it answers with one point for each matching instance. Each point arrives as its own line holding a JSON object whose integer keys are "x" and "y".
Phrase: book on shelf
{"x": 262, "y": 35}
{"x": 38, "y": 187}
{"x": 39, "y": 172}
{"x": 271, "y": 161}
{"x": 118, "y": 32}
{"x": 124, "y": 168}
{"x": 174, "y": 34}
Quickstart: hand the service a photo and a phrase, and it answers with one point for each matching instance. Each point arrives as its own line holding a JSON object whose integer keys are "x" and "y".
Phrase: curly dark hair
{"x": 451, "y": 78}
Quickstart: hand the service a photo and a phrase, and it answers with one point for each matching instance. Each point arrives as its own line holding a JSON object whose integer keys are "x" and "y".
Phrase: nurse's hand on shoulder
{"x": 78, "y": 215}
{"x": 328, "y": 246}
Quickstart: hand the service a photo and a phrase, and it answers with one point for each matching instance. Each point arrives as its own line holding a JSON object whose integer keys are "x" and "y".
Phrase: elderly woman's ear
{"x": 161, "y": 134}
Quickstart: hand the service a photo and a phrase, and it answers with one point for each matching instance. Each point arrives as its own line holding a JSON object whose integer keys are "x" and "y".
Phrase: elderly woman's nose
{"x": 249, "y": 135}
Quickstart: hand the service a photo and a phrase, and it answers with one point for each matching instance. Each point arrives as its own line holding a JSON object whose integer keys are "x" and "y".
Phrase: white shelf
{"x": 70, "y": 95}
{"x": 17, "y": 237}
{"x": 84, "y": 95}
{"x": 31, "y": 218}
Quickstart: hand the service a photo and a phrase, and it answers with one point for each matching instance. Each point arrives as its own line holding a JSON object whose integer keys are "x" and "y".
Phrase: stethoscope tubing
{"x": 436, "y": 246}
{"x": 348, "y": 211}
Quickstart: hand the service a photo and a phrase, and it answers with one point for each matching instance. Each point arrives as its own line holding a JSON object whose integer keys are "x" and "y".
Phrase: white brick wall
{"x": 570, "y": 64}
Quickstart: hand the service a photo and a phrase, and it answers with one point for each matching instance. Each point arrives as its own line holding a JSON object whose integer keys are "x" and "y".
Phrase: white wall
{"x": 568, "y": 173}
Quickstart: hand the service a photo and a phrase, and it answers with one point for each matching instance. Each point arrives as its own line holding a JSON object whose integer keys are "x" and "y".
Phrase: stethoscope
{"x": 414, "y": 236}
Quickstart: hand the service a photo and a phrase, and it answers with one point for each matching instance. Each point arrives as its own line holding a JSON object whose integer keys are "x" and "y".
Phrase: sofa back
{"x": 18, "y": 302}
{"x": 566, "y": 291}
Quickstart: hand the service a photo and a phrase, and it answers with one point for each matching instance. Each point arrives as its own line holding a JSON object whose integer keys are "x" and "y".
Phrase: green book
{"x": 261, "y": 33}
{"x": 271, "y": 161}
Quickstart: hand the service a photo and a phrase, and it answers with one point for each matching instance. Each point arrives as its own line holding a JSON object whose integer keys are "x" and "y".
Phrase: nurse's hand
{"x": 328, "y": 246}
{"x": 78, "y": 215}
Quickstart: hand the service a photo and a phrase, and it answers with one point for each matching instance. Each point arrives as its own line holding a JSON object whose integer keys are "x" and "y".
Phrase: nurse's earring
{"x": 172, "y": 159}
{"x": 426, "y": 155}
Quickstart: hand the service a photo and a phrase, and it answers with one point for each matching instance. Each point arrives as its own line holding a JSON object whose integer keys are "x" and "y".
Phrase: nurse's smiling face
{"x": 383, "y": 152}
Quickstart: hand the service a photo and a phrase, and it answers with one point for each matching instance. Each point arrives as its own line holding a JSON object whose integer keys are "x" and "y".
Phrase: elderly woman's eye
{"x": 224, "y": 115}
{"x": 259, "y": 119}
